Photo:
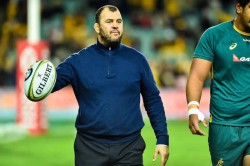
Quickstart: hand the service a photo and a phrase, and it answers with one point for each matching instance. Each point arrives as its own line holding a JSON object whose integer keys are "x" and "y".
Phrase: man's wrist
{"x": 163, "y": 140}
{"x": 193, "y": 104}
{"x": 197, "y": 112}
{"x": 161, "y": 145}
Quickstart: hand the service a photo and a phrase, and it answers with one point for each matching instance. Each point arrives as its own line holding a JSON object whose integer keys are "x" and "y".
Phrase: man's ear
{"x": 238, "y": 8}
{"x": 97, "y": 27}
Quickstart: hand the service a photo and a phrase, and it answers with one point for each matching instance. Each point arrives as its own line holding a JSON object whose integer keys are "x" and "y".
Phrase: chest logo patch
{"x": 233, "y": 46}
{"x": 235, "y": 58}
{"x": 242, "y": 59}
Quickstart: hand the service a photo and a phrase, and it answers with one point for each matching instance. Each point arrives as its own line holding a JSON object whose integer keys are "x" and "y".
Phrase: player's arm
{"x": 198, "y": 73}
{"x": 155, "y": 110}
{"x": 64, "y": 73}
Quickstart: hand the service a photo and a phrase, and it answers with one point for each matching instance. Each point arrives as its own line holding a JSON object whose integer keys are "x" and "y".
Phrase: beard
{"x": 107, "y": 41}
{"x": 248, "y": 27}
{"x": 246, "y": 24}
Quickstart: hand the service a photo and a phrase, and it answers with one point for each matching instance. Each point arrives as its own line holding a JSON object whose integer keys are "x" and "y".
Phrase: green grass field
{"x": 56, "y": 147}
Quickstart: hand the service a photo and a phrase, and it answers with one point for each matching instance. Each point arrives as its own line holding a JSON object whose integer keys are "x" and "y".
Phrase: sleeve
{"x": 205, "y": 46}
{"x": 64, "y": 73}
{"x": 153, "y": 104}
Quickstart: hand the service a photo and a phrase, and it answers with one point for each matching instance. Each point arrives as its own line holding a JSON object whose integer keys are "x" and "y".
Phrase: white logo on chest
{"x": 233, "y": 46}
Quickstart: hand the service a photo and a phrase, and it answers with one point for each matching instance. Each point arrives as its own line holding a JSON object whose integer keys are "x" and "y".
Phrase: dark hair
{"x": 243, "y": 3}
{"x": 99, "y": 11}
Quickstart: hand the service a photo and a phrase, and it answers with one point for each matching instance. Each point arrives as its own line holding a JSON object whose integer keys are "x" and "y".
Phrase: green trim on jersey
{"x": 229, "y": 51}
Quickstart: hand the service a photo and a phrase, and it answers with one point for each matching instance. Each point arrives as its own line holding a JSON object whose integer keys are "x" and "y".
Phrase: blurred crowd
{"x": 166, "y": 31}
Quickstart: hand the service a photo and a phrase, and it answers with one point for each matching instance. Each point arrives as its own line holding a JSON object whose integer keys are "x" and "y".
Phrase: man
{"x": 108, "y": 78}
{"x": 225, "y": 51}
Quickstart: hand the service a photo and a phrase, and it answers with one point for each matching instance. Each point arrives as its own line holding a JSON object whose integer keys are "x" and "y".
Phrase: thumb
{"x": 155, "y": 155}
{"x": 204, "y": 122}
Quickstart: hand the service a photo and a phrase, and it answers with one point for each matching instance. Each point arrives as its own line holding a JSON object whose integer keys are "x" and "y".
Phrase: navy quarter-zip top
{"x": 108, "y": 82}
{"x": 109, "y": 63}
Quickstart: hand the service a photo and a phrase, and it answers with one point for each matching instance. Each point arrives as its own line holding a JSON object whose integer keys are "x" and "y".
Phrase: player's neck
{"x": 240, "y": 28}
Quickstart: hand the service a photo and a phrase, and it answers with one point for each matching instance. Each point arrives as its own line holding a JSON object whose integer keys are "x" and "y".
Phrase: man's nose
{"x": 115, "y": 25}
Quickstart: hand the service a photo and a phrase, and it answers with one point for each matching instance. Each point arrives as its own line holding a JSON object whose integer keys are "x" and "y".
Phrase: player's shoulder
{"x": 81, "y": 53}
{"x": 132, "y": 51}
{"x": 84, "y": 51}
{"x": 218, "y": 32}
{"x": 221, "y": 28}
{"x": 135, "y": 55}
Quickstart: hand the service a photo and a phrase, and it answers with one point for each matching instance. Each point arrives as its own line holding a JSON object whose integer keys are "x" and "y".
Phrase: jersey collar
{"x": 241, "y": 32}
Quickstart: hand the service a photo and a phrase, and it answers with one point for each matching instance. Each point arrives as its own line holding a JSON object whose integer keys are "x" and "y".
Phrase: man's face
{"x": 110, "y": 28}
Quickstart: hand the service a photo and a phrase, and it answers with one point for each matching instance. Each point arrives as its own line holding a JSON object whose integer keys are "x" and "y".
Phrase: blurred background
{"x": 165, "y": 31}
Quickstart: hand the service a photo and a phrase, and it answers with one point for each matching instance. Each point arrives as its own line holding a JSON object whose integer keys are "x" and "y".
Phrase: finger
{"x": 204, "y": 122}
{"x": 30, "y": 67}
{"x": 192, "y": 124}
{"x": 198, "y": 130}
{"x": 32, "y": 64}
{"x": 192, "y": 129}
{"x": 155, "y": 155}
{"x": 163, "y": 160}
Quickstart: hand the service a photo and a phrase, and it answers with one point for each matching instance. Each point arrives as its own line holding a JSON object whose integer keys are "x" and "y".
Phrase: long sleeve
{"x": 64, "y": 74}
{"x": 153, "y": 105}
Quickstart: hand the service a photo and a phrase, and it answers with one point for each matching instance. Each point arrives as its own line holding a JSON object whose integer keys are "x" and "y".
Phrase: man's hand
{"x": 163, "y": 150}
{"x": 194, "y": 124}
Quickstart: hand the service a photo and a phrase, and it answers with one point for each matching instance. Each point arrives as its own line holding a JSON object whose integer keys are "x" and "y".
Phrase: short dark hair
{"x": 243, "y": 3}
{"x": 99, "y": 11}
